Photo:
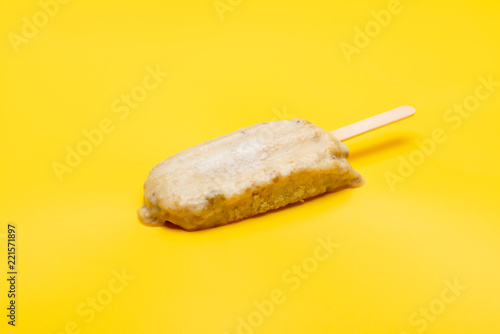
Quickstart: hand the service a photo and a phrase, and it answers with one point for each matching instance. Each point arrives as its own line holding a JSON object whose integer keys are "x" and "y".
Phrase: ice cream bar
{"x": 249, "y": 171}
{"x": 253, "y": 170}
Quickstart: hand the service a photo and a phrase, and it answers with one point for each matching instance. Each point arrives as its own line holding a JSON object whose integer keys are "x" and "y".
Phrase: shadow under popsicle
{"x": 379, "y": 144}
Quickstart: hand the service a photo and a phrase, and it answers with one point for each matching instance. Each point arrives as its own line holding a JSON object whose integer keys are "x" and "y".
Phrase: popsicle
{"x": 253, "y": 170}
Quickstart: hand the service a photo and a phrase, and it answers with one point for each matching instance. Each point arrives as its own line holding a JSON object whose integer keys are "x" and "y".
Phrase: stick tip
{"x": 408, "y": 110}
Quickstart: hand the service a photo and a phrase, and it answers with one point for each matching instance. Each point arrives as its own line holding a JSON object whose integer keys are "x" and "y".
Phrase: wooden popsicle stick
{"x": 373, "y": 122}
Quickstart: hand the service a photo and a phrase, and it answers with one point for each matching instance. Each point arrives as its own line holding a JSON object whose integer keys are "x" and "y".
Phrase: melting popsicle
{"x": 253, "y": 170}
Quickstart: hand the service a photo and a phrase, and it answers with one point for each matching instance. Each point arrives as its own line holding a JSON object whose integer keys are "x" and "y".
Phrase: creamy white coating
{"x": 191, "y": 187}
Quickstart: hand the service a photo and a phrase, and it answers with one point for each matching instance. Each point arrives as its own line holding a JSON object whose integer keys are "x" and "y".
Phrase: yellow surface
{"x": 396, "y": 249}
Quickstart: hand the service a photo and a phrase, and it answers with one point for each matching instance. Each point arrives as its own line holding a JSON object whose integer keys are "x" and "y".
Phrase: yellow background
{"x": 398, "y": 247}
